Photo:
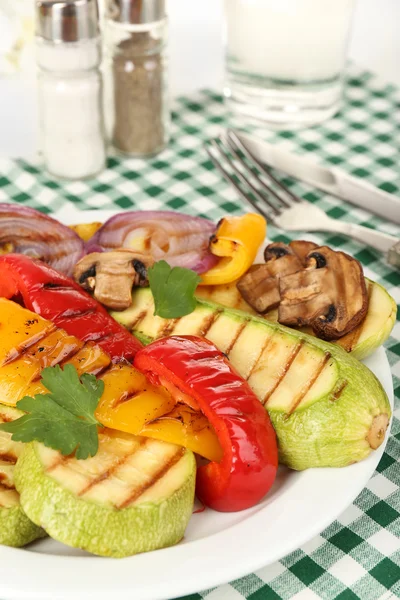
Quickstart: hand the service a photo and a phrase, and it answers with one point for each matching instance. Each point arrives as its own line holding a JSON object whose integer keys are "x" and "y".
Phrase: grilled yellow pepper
{"x": 236, "y": 241}
{"x": 129, "y": 402}
{"x": 86, "y": 230}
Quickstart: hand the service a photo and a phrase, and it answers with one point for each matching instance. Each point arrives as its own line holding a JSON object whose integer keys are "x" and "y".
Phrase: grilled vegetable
{"x": 181, "y": 240}
{"x": 193, "y": 367}
{"x": 310, "y": 285}
{"x": 236, "y": 242}
{"x": 30, "y": 343}
{"x": 361, "y": 342}
{"x": 30, "y": 232}
{"x": 135, "y": 495}
{"x": 15, "y": 527}
{"x": 86, "y": 230}
{"x": 112, "y": 275}
{"x": 327, "y": 408}
{"x": 61, "y": 300}
{"x": 260, "y": 285}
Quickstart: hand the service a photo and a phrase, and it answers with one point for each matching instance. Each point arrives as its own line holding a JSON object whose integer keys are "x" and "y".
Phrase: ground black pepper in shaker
{"x": 137, "y": 34}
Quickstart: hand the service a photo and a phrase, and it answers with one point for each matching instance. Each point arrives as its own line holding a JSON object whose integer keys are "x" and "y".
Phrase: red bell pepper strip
{"x": 250, "y": 460}
{"x": 59, "y": 299}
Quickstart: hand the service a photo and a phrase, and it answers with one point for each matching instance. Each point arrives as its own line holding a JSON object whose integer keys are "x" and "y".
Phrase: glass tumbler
{"x": 285, "y": 59}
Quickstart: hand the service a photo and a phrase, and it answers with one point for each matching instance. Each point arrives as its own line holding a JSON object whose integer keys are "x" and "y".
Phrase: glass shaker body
{"x": 71, "y": 108}
{"x": 138, "y": 77}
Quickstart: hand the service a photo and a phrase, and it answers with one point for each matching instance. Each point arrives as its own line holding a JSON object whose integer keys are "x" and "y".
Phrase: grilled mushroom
{"x": 260, "y": 285}
{"x": 330, "y": 294}
{"x": 111, "y": 276}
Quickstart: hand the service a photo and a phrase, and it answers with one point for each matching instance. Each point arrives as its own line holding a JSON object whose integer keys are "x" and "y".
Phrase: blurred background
{"x": 196, "y": 57}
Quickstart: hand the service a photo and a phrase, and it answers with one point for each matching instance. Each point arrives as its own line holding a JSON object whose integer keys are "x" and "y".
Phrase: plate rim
{"x": 185, "y": 556}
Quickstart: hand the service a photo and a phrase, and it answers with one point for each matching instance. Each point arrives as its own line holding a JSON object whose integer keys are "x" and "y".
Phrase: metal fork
{"x": 271, "y": 198}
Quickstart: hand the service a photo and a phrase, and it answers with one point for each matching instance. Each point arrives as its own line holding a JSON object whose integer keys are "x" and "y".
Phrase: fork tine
{"x": 236, "y": 141}
{"x": 213, "y": 144}
{"x": 217, "y": 163}
{"x": 229, "y": 177}
{"x": 235, "y": 146}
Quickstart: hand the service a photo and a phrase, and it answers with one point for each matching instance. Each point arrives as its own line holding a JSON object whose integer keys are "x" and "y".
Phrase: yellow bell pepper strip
{"x": 186, "y": 427}
{"x": 236, "y": 241}
{"x": 30, "y": 343}
{"x": 86, "y": 230}
{"x": 129, "y": 403}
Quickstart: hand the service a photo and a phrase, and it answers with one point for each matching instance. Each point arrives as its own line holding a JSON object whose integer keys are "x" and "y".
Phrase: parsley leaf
{"x": 173, "y": 290}
{"x": 63, "y": 419}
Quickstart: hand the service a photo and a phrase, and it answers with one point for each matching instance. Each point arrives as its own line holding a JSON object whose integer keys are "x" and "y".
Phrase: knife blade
{"x": 332, "y": 180}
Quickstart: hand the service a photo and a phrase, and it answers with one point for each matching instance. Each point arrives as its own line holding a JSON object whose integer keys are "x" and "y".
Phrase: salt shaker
{"x": 136, "y": 33}
{"x": 70, "y": 87}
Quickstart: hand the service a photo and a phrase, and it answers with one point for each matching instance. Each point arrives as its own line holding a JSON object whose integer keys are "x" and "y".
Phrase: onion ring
{"x": 24, "y": 230}
{"x": 181, "y": 240}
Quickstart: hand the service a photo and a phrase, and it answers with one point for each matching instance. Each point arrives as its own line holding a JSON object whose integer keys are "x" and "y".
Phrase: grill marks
{"x": 283, "y": 372}
{"x": 23, "y": 348}
{"x": 337, "y": 392}
{"x": 309, "y": 385}
{"x": 168, "y": 327}
{"x": 67, "y": 353}
{"x": 126, "y": 397}
{"x": 234, "y": 340}
{"x": 139, "y": 317}
{"x": 107, "y": 474}
{"x": 156, "y": 477}
{"x": 208, "y": 322}
{"x": 5, "y": 418}
{"x": 7, "y": 457}
{"x": 125, "y": 479}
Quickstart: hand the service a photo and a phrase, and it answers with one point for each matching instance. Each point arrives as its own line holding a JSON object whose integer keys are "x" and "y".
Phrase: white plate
{"x": 217, "y": 547}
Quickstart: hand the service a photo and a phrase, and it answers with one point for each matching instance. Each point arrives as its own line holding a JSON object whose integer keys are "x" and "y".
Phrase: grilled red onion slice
{"x": 179, "y": 239}
{"x": 27, "y": 231}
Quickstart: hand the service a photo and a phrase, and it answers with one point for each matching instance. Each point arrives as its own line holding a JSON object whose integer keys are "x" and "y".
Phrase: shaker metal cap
{"x": 67, "y": 20}
{"x": 136, "y": 12}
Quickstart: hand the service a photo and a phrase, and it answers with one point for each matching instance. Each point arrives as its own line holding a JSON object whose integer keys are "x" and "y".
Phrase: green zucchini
{"x": 15, "y": 528}
{"x": 327, "y": 408}
{"x": 361, "y": 342}
{"x": 134, "y": 495}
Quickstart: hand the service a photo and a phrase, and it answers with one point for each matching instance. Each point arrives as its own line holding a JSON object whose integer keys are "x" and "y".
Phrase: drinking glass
{"x": 285, "y": 59}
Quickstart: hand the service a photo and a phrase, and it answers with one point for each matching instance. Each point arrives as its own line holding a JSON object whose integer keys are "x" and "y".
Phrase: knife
{"x": 329, "y": 179}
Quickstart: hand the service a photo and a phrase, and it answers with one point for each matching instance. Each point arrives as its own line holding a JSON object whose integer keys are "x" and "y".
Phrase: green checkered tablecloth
{"x": 357, "y": 556}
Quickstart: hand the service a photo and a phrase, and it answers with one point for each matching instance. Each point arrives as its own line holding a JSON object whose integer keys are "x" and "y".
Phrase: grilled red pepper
{"x": 57, "y": 298}
{"x": 195, "y": 367}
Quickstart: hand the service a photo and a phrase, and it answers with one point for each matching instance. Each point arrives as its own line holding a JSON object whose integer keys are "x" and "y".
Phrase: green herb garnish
{"x": 63, "y": 419}
{"x": 173, "y": 290}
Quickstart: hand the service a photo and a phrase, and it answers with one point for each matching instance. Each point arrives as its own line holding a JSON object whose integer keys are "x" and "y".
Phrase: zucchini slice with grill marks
{"x": 327, "y": 408}
{"x": 15, "y": 527}
{"x": 371, "y": 333}
{"x": 135, "y": 495}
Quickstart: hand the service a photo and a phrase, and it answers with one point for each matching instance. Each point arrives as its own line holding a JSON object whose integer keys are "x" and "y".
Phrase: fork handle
{"x": 376, "y": 239}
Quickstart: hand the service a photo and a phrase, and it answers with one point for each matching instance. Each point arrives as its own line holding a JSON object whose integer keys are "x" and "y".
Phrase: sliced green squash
{"x": 327, "y": 408}
{"x": 135, "y": 495}
{"x": 15, "y": 528}
{"x": 361, "y": 342}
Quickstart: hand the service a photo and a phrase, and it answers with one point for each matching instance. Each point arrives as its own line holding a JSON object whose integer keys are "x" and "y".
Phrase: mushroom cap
{"x": 311, "y": 285}
{"x": 111, "y": 275}
{"x": 330, "y": 294}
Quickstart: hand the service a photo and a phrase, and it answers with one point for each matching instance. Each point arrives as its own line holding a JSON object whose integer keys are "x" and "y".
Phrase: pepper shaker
{"x": 70, "y": 87}
{"x": 136, "y": 31}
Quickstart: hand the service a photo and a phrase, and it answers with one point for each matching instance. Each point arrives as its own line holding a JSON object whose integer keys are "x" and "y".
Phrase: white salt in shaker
{"x": 70, "y": 87}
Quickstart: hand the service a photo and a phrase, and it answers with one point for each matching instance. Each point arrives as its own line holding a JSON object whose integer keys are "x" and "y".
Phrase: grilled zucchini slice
{"x": 135, "y": 495}
{"x": 327, "y": 408}
{"x": 15, "y": 528}
{"x": 361, "y": 342}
